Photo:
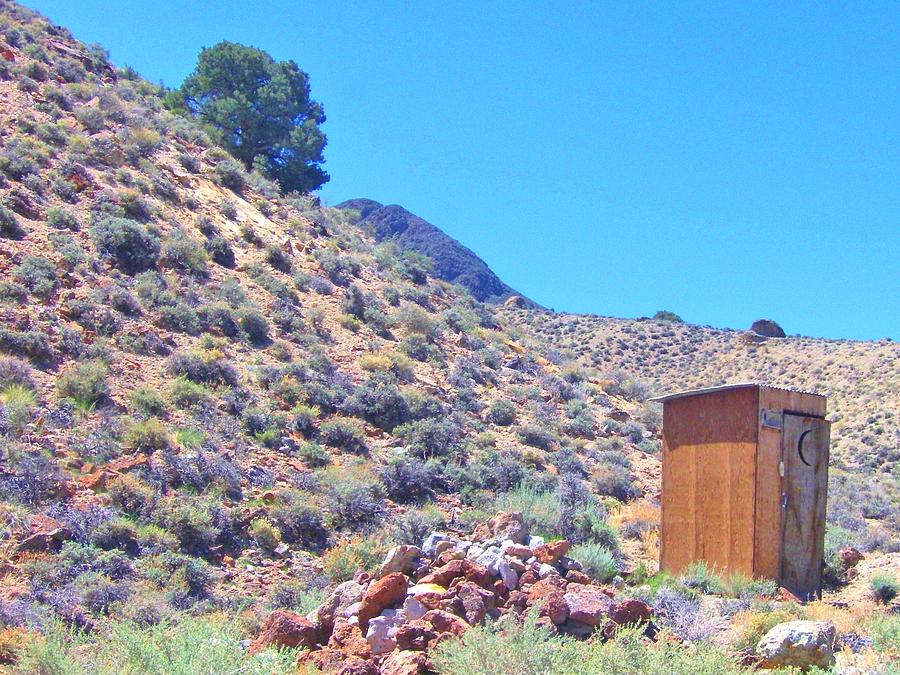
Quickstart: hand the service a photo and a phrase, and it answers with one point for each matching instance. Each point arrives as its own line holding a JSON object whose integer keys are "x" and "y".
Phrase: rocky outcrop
{"x": 767, "y": 328}
{"x": 440, "y": 590}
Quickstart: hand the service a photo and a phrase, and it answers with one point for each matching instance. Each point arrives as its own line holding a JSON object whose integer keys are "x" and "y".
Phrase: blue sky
{"x": 725, "y": 160}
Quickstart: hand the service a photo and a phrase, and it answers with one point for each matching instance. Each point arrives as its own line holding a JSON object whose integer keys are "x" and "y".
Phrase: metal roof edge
{"x": 726, "y": 387}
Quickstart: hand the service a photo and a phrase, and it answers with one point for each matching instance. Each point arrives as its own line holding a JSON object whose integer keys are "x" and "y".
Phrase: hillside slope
{"x": 452, "y": 261}
{"x": 861, "y": 379}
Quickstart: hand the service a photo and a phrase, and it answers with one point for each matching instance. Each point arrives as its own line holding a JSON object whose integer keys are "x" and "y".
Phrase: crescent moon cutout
{"x": 800, "y": 447}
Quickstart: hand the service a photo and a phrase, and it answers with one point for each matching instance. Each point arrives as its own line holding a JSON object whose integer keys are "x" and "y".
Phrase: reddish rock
{"x": 552, "y": 552}
{"x": 547, "y": 624}
{"x": 548, "y": 595}
{"x": 445, "y": 622}
{"x": 350, "y": 640}
{"x": 518, "y": 599}
{"x": 587, "y": 604}
{"x": 403, "y": 663}
{"x": 518, "y": 550}
{"x": 387, "y": 591}
{"x": 45, "y": 534}
{"x": 528, "y": 577}
{"x": 850, "y": 557}
{"x": 576, "y": 577}
{"x": 475, "y": 601}
{"x": 630, "y": 612}
{"x": 334, "y": 662}
{"x": 472, "y": 571}
{"x": 509, "y": 526}
{"x": 415, "y": 635}
{"x": 283, "y": 628}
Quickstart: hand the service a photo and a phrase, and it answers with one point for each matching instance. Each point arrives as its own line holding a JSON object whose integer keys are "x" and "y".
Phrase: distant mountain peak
{"x": 453, "y": 262}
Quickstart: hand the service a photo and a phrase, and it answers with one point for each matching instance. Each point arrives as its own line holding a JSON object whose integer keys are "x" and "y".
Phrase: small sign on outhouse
{"x": 744, "y": 484}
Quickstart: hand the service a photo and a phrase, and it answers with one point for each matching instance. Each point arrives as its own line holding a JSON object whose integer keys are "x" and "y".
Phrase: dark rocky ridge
{"x": 452, "y": 261}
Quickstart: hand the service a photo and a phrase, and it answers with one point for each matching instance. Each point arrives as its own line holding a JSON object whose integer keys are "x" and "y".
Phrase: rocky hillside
{"x": 219, "y": 404}
{"x": 452, "y": 261}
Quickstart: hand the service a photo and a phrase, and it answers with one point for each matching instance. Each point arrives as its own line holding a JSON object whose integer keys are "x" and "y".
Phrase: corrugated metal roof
{"x": 726, "y": 387}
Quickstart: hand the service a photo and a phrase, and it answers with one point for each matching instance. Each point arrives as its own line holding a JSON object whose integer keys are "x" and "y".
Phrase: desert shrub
{"x": 179, "y": 317}
{"x": 540, "y": 507}
{"x": 117, "y": 533}
{"x": 147, "y": 436}
{"x": 192, "y": 524}
{"x": 378, "y": 401}
{"x": 278, "y": 258}
{"x": 343, "y": 560}
{"x": 415, "y": 320}
{"x": 219, "y": 249}
{"x": 131, "y": 494}
{"x": 14, "y": 371}
{"x": 421, "y": 405}
{"x": 131, "y": 246}
{"x": 699, "y": 576}
{"x": 614, "y": 481}
{"x": 885, "y": 587}
{"x": 10, "y": 227}
{"x": 17, "y": 404}
{"x": 264, "y": 426}
{"x": 168, "y": 647}
{"x": 188, "y": 394}
{"x": 12, "y": 292}
{"x": 265, "y": 534}
{"x": 502, "y": 413}
{"x": 432, "y": 437}
{"x": 148, "y": 402}
{"x": 410, "y": 479}
{"x": 314, "y": 455}
{"x": 62, "y": 219}
{"x": 66, "y": 246}
{"x": 599, "y": 562}
{"x": 203, "y": 367}
{"x": 339, "y": 269}
{"x": 536, "y": 436}
{"x": 184, "y": 253}
{"x": 134, "y": 205}
{"x": 230, "y": 173}
{"x": 255, "y": 325}
{"x": 345, "y": 434}
{"x": 85, "y": 383}
{"x": 32, "y": 343}
{"x": 886, "y": 635}
{"x": 298, "y": 521}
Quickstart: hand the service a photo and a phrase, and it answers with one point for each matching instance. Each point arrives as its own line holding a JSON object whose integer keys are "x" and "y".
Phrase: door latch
{"x": 784, "y": 500}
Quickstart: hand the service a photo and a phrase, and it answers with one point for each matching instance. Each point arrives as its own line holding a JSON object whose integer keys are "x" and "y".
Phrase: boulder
{"x": 548, "y": 594}
{"x": 587, "y": 604}
{"x": 283, "y": 628}
{"x": 400, "y": 559}
{"x": 475, "y": 601}
{"x": 404, "y": 663}
{"x": 343, "y": 596}
{"x": 413, "y": 608}
{"x": 349, "y": 639}
{"x": 508, "y": 575}
{"x": 45, "y": 534}
{"x": 801, "y": 644}
{"x": 445, "y": 574}
{"x": 509, "y": 526}
{"x": 429, "y": 546}
{"x": 335, "y": 662}
{"x": 552, "y": 552}
{"x": 490, "y": 558}
{"x": 630, "y": 612}
{"x": 768, "y": 328}
{"x": 381, "y": 594}
{"x": 445, "y": 622}
{"x": 415, "y": 635}
{"x": 850, "y": 557}
{"x": 382, "y": 631}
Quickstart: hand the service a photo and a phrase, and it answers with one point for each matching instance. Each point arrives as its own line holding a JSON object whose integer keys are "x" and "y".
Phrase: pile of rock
{"x": 421, "y": 596}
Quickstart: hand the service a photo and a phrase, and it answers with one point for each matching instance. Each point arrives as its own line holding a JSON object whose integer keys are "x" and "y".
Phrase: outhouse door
{"x": 804, "y": 448}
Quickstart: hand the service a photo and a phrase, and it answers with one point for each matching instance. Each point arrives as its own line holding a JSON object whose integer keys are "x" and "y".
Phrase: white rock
{"x": 382, "y": 633}
{"x": 413, "y": 609}
{"x": 400, "y": 559}
{"x": 568, "y": 563}
{"x": 508, "y": 574}
{"x": 534, "y": 541}
{"x": 547, "y": 570}
{"x": 801, "y": 644}
{"x": 474, "y": 551}
{"x": 351, "y": 610}
{"x": 431, "y": 541}
{"x": 490, "y": 558}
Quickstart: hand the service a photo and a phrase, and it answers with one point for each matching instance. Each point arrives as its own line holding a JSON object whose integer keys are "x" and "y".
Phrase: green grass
{"x": 190, "y": 646}
{"x": 598, "y": 561}
{"x": 530, "y": 650}
{"x": 541, "y": 509}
